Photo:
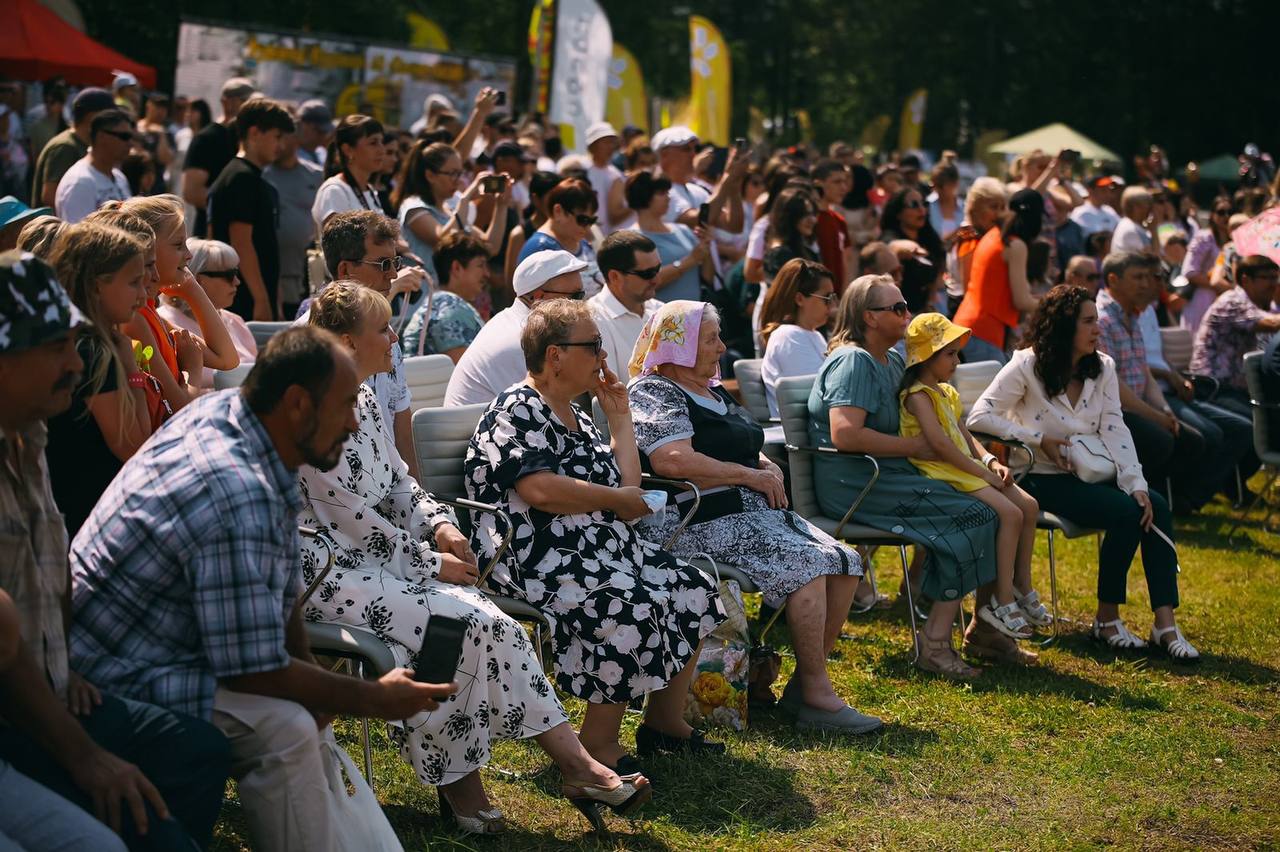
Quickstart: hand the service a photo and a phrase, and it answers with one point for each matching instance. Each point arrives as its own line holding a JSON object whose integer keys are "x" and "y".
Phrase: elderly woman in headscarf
{"x": 688, "y": 427}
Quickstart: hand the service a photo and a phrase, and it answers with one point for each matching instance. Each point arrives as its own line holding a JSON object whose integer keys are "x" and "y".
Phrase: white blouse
{"x": 792, "y": 351}
{"x": 1015, "y": 405}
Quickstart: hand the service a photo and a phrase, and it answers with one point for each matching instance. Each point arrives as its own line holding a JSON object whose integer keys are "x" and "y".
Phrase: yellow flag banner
{"x": 426, "y": 33}
{"x": 873, "y": 133}
{"x": 711, "y": 72}
{"x": 911, "y": 128}
{"x": 625, "y": 102}
{"x": 542, "y": 30}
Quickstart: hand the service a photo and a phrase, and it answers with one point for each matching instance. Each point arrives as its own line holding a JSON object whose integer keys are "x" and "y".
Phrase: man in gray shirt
{"x": 296, "y": 182}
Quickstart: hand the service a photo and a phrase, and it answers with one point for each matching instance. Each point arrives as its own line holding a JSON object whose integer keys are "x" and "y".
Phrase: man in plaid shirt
{"x": 186, "y": 574}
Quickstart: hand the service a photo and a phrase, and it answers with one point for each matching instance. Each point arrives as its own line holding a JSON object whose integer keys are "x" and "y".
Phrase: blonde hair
{"x": 347, "y": 307}
{"x": 549, "y": 323}
{"x": 164, "y": 213}
{"x": 113, "y": 215}
{"x": 851, "y": 326}
{"x": 1132, "y": 197}
{"x": 984, "y": 189}
{"x": 39, "y": 235}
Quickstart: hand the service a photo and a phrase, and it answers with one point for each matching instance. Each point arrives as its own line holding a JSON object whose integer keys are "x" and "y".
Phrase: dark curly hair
{"x": 1050, "y": 335}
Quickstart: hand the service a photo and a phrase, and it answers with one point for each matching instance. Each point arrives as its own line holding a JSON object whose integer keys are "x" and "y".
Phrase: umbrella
{"x": 1260, "y": 235}
{"x": 1052, "y": 138}
{"x": 36, "y": 44}
{"x": 1224, "y": 168}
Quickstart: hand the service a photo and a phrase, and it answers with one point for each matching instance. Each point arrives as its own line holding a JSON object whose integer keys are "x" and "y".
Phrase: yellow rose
{"x": 712, "y": 689}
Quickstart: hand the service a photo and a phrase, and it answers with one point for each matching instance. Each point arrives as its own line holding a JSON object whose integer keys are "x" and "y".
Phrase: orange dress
{"x": 987, "y": 307}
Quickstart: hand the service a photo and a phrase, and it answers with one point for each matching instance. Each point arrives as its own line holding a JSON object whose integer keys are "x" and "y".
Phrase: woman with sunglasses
{"x": 854, "y": 408}
{"x": 801, "y": 300}
{"x": 685, "y": 255}
{"x": 1197, "y": 266}
{"x": 906, "y": 217}
{"x": 571, "y": 214}
{"x": 215, "y": 266}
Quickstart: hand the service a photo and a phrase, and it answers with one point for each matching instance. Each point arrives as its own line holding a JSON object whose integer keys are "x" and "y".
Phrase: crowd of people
{"x": 152, "y": 622}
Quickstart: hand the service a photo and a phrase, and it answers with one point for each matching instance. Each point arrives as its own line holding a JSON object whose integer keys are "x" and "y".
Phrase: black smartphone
{"x": 1069, "y": 157}
{"x": 741, "y": 144}
{"x": 704, "y": 214}
{"x": 502, "y": 99}
{"x": 493, "y": 184}
{"x": 441, "y": 650}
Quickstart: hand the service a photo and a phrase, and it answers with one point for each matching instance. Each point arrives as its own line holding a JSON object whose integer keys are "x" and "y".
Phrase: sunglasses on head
{"x": 585, "y": 221}
{"x": 228, "y": 274}
{"x": 899, "y": 308}
{"x": 387, "y": 264}
{"x": 647, "y": 274}
{"x": 595, "y": 344}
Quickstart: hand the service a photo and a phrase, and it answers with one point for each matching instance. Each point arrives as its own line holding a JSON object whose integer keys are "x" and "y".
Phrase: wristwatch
{"x": 679, "y": 264}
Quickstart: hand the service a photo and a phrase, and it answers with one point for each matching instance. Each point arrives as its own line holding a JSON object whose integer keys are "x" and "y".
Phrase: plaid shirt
{"x": 189, "y": 565}
{"x": 1122, "y": 340}
{"x": 1226, "y": 334}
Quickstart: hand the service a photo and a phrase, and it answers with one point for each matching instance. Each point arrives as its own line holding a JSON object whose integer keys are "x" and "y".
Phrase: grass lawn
{"x": 1085, "y": 749}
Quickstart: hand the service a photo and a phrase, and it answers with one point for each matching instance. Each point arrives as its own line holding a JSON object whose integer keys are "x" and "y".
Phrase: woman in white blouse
{"x": 1058, "y": 386}
{"x": 800, "y": 301}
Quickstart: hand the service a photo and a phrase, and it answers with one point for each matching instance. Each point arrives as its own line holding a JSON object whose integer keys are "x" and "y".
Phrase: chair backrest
{"x": 264, "y": 331}
{"x": 440, "y": 437}
{"x": 793, "y": 407}
{"x": 597, "y": 417}
{"x": 1262, "y": 415}
{"x": 970, "y": 380}
{"x": 1178, "y": 344}
{"x": 751, "y": 386}
{"x": 428, "y": 378}
{"x": 233, "y": 378}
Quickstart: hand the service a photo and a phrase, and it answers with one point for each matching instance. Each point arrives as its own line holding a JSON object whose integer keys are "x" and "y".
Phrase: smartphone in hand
{"x": 441, "y": 650}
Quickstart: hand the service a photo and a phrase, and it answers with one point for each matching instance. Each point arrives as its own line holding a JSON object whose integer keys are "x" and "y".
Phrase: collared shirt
{"x": 33, "y": 541}
{"x": 1227, "y": 333}
{"x": 619, "y": 327}
{"x": 1122, "y": 340}
{"x": 188, "y": 568}
{"x": 493, "y": 362}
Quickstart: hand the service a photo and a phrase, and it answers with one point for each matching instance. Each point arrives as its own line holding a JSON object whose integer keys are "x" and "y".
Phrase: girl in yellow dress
{"x": 931, "y": 407}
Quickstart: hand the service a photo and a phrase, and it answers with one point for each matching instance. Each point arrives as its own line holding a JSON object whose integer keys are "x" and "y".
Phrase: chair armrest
{"x": 312, "y": 532}
{"x": 1011, "y": 443}
{"x": 1211, "y": 385}
{"x": 489, "y": 508}
{"x": 832, "y": 451}
{"x": 683, "y": 485}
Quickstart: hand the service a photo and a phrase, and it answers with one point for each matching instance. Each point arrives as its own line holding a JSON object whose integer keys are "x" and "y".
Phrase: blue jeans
{"x": 186, "y": 759}
{"x": 35, "y": 817}
{"x": 1230, "y": 440}
{"x": 978, "y": 349}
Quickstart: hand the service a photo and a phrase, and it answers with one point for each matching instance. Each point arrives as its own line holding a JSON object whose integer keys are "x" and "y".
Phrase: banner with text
{"x": 580, "y": 74}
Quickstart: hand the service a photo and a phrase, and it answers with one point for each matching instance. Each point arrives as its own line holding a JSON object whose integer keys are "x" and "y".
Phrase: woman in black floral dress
{"x": 399, "y": 561}
{"x": 627, "y": 617}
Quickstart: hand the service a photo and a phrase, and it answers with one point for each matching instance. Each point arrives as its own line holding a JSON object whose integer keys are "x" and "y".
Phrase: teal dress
{"x": 957, "y": 531}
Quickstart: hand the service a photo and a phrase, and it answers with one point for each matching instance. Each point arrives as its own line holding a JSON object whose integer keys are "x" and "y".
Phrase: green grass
{"x": 1084, "y": 750}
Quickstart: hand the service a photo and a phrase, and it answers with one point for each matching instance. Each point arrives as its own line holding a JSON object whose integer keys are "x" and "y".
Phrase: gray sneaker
{"x": 845, "y": 721}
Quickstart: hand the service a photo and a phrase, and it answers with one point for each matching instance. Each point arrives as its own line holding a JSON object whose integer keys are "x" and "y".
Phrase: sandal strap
{"x": 1179, "y": 647}
{"x": 1010, "y": 614}
{"x": 1122, "y": 638}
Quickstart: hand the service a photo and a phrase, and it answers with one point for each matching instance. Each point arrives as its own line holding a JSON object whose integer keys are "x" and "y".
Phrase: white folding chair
{"x": 264, "y": 331}
{"x": 233, "y": 378}
{"x": 428, "y": 378}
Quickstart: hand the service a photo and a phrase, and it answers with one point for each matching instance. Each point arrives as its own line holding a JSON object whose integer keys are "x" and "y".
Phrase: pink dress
{"x": 241, "y": 337}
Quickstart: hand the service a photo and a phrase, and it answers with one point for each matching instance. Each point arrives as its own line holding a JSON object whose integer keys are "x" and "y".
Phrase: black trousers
{"x": 1163, "y": 455}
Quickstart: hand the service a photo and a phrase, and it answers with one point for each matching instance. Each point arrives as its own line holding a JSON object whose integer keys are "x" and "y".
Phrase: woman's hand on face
{"x": 187, "y": 284}
{"x": 612, "y": 394}
{"x": 628, "y": 503}
{"x": 1056, "y": 450}
{"x": 1143, "y": 499}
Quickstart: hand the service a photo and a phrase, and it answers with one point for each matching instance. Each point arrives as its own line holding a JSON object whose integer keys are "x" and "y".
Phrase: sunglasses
{"x": 576, "y": 295}
{"x": 828, "y": 298}
{"x": 899, "y": 308}
{"x": 595, "y": 344}
{"x": 387, "y": 264}
{"x": 647, "y": 274}
{"x": 122, "y": 135}
{"x": 914, "y": 205}
{"x": 585, "y": 221}
{"x": 227, "y": 274}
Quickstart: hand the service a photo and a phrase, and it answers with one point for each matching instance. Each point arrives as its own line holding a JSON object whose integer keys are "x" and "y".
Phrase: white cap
{"x": 540, "y": 267}
{"x": 122, "y": 80}
{"x": 435, "y": 99}
{"x": 599, "y": 130}
{"x": 672, "y": 137}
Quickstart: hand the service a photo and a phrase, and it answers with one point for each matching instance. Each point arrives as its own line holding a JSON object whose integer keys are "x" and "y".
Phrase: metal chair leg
{"x": 774, "y": 620}
{"x": 1247, "y": 510}
{"x": 1053, "y": 587}
{"x": 364, "y": 735}
{"x": 911, "y": 604}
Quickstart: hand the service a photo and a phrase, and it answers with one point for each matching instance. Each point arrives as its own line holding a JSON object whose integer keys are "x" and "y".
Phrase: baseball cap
{"x": 13, "y": 211}
{"x": 238, "y": 87}
{"x": 540, "y": 267}
{"x": 317, "y": 112}
{"x": 438, "y": 101}
{"x": 89, "y": 101}
{"x": 672, "y": 137}
{"x": 600, "y": 130}
{"x": 34, "y": 307}
{"x": 122, "y": 80}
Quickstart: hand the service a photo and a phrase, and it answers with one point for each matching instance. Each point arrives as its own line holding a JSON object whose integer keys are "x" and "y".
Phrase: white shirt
{"x": 1014, "y": 405}
{"x": 792, "y": 351}
{"x": 619, "y": 328}
{"x": 493, "y": 362}
{"x": 602, "y": 179}
{"x": 1149, "y": 325}
{"x": 336, "y": 196}
{"x": 685, "y": 196}
{"x": 755, "y": 241}
{"x": 83, "y": 189}
{"x": 1130, "y": 236}
{"x": 1093, "y": 219}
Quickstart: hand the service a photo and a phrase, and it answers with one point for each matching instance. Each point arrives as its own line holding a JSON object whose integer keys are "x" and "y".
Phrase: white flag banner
{"x": 580, "y": 75}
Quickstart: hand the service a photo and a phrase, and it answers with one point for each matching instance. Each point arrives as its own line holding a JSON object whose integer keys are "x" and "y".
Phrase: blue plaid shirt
{"x": 188, "y": 567}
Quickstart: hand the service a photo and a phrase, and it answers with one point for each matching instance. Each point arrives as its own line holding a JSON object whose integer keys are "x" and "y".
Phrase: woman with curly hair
{"x": 1059, "y": 387}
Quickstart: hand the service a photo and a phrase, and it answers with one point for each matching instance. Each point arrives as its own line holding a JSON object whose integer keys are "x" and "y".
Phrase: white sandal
{"x": 1033, "y": 610}
{"x": 1121, "y": 640}
{"x": 1007, "y": 619}
{"x": 1179, "y": 649}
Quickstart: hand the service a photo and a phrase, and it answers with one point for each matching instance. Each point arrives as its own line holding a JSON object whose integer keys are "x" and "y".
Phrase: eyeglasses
{"x": 449, "y": 174}
{"x": 122, "y": 135}
{"x": 576, "y": 295}
{"x": 647, "y": 274}
{"x": 595, "y": 344}
{"x": 228, "y": 274}
{"x": 899, "y": 308}
{"x": 585, "y": 221}
{"x": 387, "y": 264}
{"x": 826, "y": 297}
{"x": 914, "y": 205}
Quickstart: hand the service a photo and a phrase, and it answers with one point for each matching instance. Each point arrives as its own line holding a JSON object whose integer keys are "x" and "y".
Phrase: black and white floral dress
{"x": 779, "y": 550}
{"x": 626, "y": 616}
{"x": 384, "y": 579}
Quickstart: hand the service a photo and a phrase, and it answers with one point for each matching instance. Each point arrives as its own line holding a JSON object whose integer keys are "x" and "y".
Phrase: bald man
{"x": 1082, "y": 271}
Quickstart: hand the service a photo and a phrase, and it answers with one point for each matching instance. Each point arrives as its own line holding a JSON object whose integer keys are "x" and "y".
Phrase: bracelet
{"x": 987, "y": 459}
{"x": 138, "y": 380}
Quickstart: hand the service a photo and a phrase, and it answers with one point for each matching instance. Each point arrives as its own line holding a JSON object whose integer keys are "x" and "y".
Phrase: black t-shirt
{"x": 240, "y": 194}
{"x": 211, "y": 149}
{"x": 81, "y": 465}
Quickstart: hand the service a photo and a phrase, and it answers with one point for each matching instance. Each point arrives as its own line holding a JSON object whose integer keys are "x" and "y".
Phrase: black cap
{"x": 511, "y": 149}
{"x": 89, "y": 101}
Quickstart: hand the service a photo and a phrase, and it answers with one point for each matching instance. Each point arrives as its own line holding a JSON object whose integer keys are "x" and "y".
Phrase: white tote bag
{"x": 358, "y": 820}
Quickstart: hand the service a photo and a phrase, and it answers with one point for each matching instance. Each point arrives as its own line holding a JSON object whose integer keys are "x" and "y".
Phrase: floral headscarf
{"x": 670, "y": 337}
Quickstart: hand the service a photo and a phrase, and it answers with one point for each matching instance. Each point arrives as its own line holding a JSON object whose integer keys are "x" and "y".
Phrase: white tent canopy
{"x": 1051, "y": 139}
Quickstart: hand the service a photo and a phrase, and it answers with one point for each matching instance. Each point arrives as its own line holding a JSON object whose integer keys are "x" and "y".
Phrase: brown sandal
{"x": 986, "y": 643}
{"x": 939, "y": 657}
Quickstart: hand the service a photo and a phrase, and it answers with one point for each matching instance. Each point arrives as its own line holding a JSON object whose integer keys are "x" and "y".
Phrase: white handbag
{"x": 1090, "y": 461}
{"x": 358, "y": 820}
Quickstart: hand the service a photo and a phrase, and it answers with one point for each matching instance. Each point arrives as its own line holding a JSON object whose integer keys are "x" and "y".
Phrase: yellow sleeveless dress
{"x": 947, "y": 407}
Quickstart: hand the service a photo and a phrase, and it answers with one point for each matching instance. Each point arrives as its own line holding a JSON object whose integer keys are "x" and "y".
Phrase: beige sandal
{"x": 939, "y": 657}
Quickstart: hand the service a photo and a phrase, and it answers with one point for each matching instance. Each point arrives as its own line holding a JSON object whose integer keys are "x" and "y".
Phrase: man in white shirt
{"x": 494, "y": 361}
{"x": 630, "y": 263}
{"x": 606, "y": 179}
{"x": 676, "y": 147}
{"x": 1096, "y": 214}
{"x": 97, "y": 179}
{"x": 1131, "y": 233}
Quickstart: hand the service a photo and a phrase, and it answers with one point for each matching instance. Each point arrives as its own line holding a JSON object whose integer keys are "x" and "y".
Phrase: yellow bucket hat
{"x": 928, "y": 334}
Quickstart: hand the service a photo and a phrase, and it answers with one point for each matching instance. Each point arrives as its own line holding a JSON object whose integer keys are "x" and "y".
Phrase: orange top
{"x": 988, "y": 300}
{"x": 164, "y": 340}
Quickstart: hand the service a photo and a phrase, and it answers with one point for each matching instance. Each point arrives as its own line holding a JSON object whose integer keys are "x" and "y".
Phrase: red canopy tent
{"x": 36, "y": 44}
